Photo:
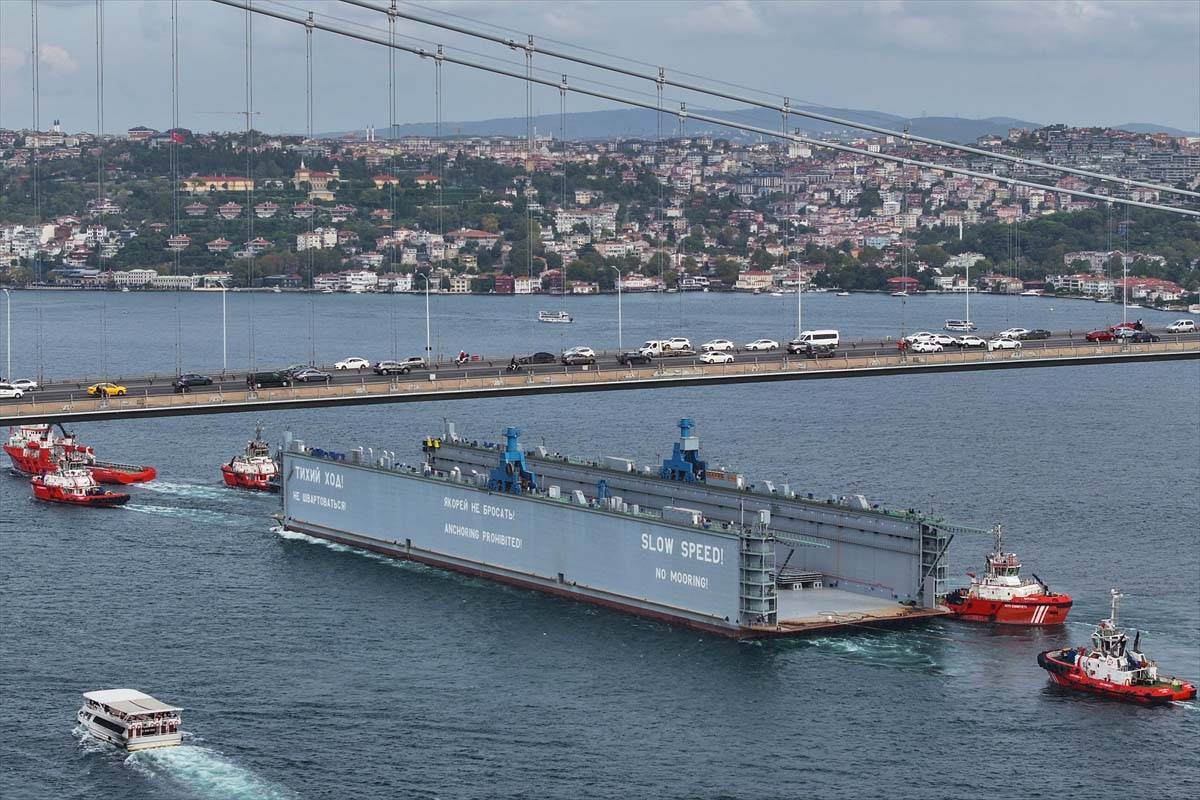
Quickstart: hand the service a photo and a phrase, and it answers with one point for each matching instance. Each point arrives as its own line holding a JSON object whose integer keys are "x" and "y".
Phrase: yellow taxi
{"x": 106, "y": 389}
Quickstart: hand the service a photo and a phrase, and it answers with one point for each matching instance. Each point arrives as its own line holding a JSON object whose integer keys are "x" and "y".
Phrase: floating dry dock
{"x": 679, "y": 542}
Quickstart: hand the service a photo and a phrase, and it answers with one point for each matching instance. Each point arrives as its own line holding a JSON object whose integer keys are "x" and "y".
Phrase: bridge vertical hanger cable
{"x": 174, "y": 144}
{"x": 37, "y": 139}
{"x": 1125, "y": 255}
{"x": 392, "y": 173}
{"x": 437, "y": 149}
{"x": 97, "y": 216}
{"x": 529, "y": 165}
{"x": 249, "y": 144}
{"x": 658, "y": 166}
{"x": 308, "y": 122}
{"x": 787, "y": 223}
{"x": 562, "y": 140}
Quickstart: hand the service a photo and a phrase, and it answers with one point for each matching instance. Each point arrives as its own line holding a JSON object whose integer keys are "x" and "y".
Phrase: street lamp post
{"x": 620, "y": 320}
{"x": 8, "y": 334}
{"x": 428, "y": 354}
{"x": 224, "y": 339}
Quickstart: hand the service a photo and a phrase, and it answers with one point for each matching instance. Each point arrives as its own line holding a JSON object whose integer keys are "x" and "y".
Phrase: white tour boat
{"x": 130, "y": 719}
{"x": 554, "y": 316}
{"x": 961, "y": 325}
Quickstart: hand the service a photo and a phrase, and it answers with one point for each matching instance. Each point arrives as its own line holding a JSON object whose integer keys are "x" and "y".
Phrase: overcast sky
{"x": 1081, "y": 62}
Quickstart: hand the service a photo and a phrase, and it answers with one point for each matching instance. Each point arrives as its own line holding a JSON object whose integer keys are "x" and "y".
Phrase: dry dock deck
{"x": 811, "y": 610}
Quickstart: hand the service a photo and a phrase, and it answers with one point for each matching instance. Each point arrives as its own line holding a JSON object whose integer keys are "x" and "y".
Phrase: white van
{"x": 1182, "y": 326}
{"x": 826, "y": 337}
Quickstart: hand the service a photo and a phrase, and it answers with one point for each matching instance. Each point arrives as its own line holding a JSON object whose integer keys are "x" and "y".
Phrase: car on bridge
{"x": 1038, "y": 333}
{"x": 1004, "y": 343}
{"x": 762, "y": 344}
{"x": 634, "y": 359}
{"x": 1182, "y": 326}
{"x": 106, "y": 390}
{"x": 184, "y": 383}
{"x": 25, "y": 384}
{"x": 1099, "y": 335}
{"x": 354, "y": 362}
{"x": 1144, "y": 337}
{"x": 716, "y": 357}
{"x": 971, "y": 341}
{"x": 10, "y": 392}
{"x": 262, "y": 380}
{"x": 532, "y": 359}
{"x": 810, "y": 350}
{"x": 1013, "y": 333}
{"x": 402, "y": 367}
{"x": 719, "y": 345}
{"x": 579, "y": 357}
{"x": 913, "y": 337}
{"x": 294, "y": 368}
{"x": 944, "y": 339}
{"x": 926, "y": 346}
{"x": 312, "y": 375}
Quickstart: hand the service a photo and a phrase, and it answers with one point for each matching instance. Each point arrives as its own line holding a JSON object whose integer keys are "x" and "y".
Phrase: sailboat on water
{"x": 963, "y": 325}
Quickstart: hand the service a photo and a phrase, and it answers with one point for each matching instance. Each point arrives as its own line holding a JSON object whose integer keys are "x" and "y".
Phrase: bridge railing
{"x": 658, "y": 372}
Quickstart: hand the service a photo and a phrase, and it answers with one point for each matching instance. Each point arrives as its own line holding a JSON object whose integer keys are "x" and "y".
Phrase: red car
{"x": 1133, "y": 326}
{"x": 1101, "y": 335}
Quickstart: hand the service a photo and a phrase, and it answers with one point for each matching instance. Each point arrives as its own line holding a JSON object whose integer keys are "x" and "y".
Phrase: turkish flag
{"x": 176, "y": 136}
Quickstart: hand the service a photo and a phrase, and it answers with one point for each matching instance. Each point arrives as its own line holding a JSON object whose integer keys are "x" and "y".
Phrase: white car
{"x": 1013, "y": 333}
{"x": 678, "y": 343}
{"x": 763, "y": 344}
{"x": 719, "y": 345}
{"x": 586, "y": 352}
{"x": 25, "y": 384}
{"x": 352, "y": 363}
{"x": 918, "y": 336}
{"x": 971, "y": 341}
{"x": 716, "y": 357}
{"x": 10, "y": 392}
{"x": 926, "y": 346}
{"x": 945, "y": 340}
{"x": 1182, "y": 326}
{"x": 1004, "y": 343}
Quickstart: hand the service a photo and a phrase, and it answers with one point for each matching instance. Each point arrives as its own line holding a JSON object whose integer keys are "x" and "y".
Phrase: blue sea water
{"x": 310, "y": 670}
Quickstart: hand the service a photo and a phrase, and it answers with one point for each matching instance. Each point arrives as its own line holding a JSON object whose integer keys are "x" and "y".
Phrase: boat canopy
{"x": 129, "y": 701}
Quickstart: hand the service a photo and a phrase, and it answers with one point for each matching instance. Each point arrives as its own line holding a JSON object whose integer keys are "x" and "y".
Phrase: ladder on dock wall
{"x": 935, "y": 541}
{"x": 757, "y": 593}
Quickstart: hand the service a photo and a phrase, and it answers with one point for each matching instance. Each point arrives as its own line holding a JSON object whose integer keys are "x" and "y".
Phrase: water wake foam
{"x": 892, "y": 650}
{"x": 194, "y": 490}
{"x": 206, "y": 774}
{"x": 198, "y": 514}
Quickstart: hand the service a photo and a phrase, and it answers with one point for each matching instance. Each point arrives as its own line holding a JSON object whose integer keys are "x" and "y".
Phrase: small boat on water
{"x": 964, "y": 325}
{"x": 900, "y": 294}
{"x": 1032, "y": 293}
{"x": 776, "y": 294}
{"x": 1001, "y": 596}
{"x": 843, "y": 294}
{"x": 254, "y": 469}
{"x": 74, "y": 486}
{"x": 130, "y": 719}
{"x": 36, "y": 450}
{"x": 554, "y": 316}
{"x": 1111, "y": 669}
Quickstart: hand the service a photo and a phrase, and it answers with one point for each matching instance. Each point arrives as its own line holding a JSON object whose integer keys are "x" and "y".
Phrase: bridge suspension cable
{"x": 712, "y": 120}
{"x": 802, "y": 112}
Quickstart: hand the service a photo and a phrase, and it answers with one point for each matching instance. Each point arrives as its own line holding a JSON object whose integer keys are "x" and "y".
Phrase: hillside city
{"x": 177, "y": 210}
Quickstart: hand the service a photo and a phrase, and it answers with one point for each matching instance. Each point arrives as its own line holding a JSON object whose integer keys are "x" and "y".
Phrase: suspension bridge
{"x": 589, "y": 76}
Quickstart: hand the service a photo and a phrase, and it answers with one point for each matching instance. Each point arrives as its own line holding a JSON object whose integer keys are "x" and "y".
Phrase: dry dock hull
{"x": 693, "y": 576}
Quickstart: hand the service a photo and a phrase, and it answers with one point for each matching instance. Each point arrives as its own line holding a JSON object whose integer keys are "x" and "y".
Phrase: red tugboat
{"x": 1108, "y": 669}
{"x": 74, "y": 485}
{"x": 1002, "y": 596}
{"x": 253, "y": 469}
{"x": 37, "y": 450}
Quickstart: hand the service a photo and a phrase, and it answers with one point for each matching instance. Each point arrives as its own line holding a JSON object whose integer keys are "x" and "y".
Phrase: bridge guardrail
{"x": 657, "y": 372}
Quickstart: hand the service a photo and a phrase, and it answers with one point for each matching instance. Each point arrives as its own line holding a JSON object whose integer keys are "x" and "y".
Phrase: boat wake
{"x": 193, "y": 490}
{"x": 205, "y": 773}
{"x": 197, "y": 770}
{"x": 884, "y": 650}
{"x": 198, "y": 514}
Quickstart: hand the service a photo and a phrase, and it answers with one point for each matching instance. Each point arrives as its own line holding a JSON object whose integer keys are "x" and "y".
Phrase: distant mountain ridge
{"x": 643, "y": 123}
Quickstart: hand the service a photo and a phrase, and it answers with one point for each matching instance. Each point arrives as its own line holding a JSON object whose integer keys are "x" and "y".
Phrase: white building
{"x": 133, "y": 277}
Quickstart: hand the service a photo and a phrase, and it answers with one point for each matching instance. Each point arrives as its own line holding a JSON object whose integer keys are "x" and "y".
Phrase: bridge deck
{"x": 422, "y": 387}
